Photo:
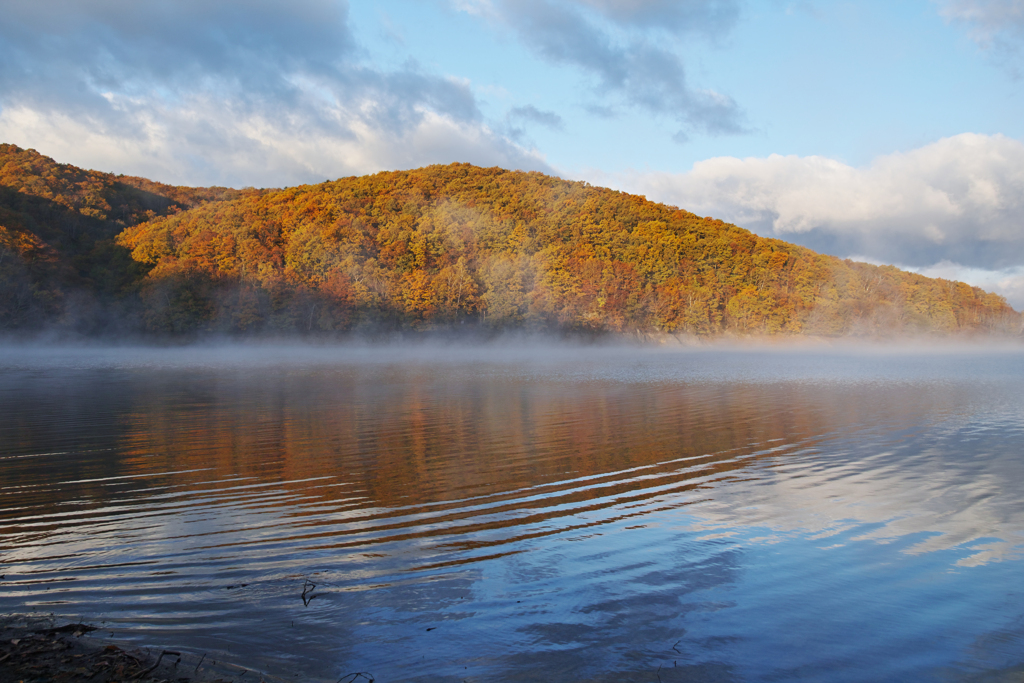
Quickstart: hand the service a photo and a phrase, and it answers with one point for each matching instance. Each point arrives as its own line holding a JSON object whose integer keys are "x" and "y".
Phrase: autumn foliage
{"x": 59, "y": 264}
{"x": 459, "y": 245}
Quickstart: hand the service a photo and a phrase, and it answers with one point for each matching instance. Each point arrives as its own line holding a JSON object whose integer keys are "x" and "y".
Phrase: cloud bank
{"x": 233, "y": 92}
{"x": 956, "y": 204}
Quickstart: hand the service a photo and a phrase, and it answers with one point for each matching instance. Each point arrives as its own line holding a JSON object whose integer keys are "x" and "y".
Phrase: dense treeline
{"x": 459, "y": 243}
{"x": 448, "y": 245}
{"x": 59, "y": 262}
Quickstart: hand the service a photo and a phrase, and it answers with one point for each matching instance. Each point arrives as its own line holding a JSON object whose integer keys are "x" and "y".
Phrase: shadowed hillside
{"x": 59, "y": 263}
{"x": 442, "y": 246}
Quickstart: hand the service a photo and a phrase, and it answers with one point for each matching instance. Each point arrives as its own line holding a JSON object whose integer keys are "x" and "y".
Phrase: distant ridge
{"x": 436, "y": 247}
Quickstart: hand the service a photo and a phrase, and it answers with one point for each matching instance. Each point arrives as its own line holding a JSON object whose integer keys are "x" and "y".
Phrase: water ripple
{"x": 582, "y": 520}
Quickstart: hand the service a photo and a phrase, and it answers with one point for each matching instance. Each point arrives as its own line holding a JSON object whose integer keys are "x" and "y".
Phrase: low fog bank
{"x": 464, "y": 350}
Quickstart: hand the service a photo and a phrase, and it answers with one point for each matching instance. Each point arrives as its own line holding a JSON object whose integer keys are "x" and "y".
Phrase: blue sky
{"x": 888, "y": 132}
{"x": 845, "y": 80}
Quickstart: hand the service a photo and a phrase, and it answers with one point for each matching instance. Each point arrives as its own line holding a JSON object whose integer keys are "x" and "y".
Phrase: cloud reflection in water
{"x": 572, "y": 515}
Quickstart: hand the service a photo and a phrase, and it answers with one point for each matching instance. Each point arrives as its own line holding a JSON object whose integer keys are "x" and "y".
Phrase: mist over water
{"x": 526, "y": 511}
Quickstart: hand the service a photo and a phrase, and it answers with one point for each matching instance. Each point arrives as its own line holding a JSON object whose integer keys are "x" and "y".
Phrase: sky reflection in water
{"x": 523, "y": 512}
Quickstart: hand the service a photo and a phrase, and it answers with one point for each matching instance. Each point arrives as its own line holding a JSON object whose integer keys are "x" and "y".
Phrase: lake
{"x": 525, "y": 511}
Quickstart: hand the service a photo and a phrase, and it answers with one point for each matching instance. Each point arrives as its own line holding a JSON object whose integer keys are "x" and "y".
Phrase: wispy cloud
{"x": 531, "y": 114}
{"x": 235, "y": 92}
{"x": 707, "y": 17}
{"x": 625, "y": 48}
{"x": 988, "y": 18}
{"x": 995, "y": 25}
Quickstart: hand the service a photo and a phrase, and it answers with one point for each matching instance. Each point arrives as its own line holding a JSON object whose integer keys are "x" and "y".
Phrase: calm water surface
{"x": 526, "y": 513}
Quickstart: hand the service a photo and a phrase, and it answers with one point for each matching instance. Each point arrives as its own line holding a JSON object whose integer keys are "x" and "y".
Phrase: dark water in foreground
{"x": 526, "y": 514}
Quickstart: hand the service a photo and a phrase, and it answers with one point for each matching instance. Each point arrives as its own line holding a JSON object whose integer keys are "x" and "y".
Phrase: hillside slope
{"x": 59, "y": 263}
{"x": 452, "y": 245}
{"x": 459, "y": 244}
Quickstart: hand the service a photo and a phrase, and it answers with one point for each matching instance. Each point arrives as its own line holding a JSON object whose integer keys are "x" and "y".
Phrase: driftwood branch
{"x": 352, "y": 677}
{"x": 158, "y": 660}
{"x": 307, "y": 592}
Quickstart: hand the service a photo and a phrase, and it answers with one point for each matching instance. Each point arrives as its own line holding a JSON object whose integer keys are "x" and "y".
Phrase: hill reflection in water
{"x": 576, "y": 514}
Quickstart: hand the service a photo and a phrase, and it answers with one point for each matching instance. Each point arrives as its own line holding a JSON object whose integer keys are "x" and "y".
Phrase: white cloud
{"x": 233, "y": 93}
{"x": 204, "y": 143}
{"x": 960, "y": 199}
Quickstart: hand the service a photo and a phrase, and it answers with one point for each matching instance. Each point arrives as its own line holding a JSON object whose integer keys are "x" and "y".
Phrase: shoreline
{"x": 493, "y": 337}
{"x": 37, "y": 649}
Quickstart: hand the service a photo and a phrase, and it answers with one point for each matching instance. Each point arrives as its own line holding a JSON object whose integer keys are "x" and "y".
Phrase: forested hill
{"x": 59, "y": 263}
{"x": 441, "y": 246}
